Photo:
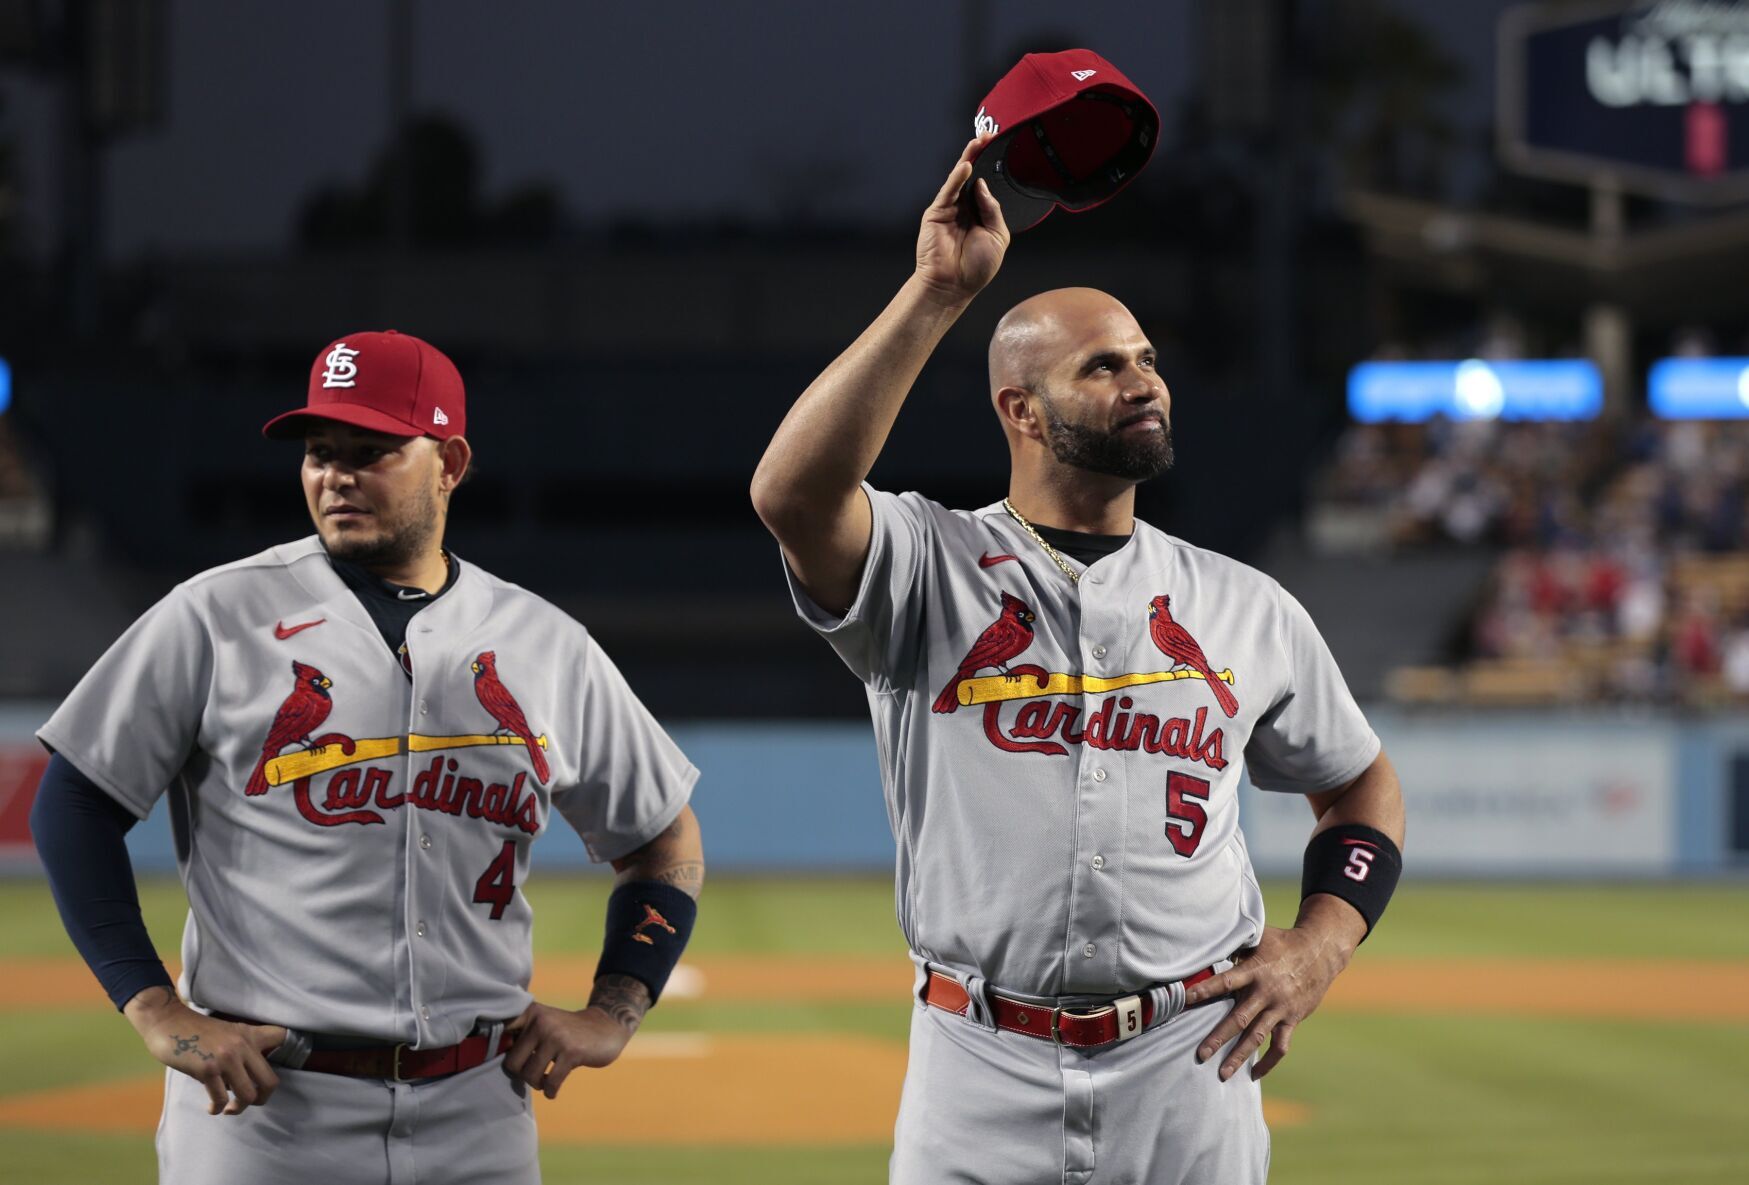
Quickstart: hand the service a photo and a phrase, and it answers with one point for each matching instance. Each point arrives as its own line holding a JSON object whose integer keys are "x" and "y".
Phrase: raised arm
{"x": 808, "y": 487}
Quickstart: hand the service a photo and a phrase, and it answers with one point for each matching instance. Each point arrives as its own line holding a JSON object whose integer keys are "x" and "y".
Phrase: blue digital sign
{"x": 1521, "y": 389}
{"x": 1699, "y": 388}
{"x": 5, "y": 386}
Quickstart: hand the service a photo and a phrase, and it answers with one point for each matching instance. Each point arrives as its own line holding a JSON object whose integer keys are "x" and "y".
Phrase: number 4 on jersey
{"x": 497, "y": 885}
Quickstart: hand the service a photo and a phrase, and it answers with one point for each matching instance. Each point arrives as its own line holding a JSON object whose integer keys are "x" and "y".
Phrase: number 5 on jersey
{"x": 1185, "y": 816}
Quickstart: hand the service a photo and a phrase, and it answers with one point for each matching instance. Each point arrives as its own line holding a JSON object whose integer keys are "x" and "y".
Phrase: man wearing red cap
{"x": 1064, "y": 699}
{"x": 361, "y": 735}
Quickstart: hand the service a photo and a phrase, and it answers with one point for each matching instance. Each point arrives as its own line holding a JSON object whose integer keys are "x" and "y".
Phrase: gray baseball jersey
{"x": 1061, "y": 762}
{"x": 354, "y": 836}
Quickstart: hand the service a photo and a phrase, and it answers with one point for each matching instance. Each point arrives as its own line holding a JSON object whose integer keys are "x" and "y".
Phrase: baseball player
{"x": 361, "y": 736}
{"x": 1063, "y": 699}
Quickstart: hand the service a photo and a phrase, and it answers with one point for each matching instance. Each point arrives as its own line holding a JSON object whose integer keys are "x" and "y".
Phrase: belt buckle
{"x": 1057, "y": 1015}
{"x": 395, "y": 1071}
{"x": 1128, "y": 1010}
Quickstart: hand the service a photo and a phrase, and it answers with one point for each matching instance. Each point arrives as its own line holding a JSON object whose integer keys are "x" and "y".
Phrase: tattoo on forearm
{"x": 669, "y": 859}
{"x": 190, "y": 1045}
{"x": 623, "y": 998}
{"x": 687, "y": 876}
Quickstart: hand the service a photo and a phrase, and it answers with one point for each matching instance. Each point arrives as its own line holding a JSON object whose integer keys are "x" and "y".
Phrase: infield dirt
{"x": 826, "y": 1088}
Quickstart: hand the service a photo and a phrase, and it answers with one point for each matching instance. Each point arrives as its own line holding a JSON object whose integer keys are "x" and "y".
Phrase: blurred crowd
{"x": 1623, "y": 568}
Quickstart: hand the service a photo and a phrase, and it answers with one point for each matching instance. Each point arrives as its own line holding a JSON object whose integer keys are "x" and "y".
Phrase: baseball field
{"x": 1499, "y": 1034}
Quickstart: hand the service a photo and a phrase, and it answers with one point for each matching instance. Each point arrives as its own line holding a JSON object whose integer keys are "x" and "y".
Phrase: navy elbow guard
{"x": 1357, "y": 863}
{"x": 647, "y": 928}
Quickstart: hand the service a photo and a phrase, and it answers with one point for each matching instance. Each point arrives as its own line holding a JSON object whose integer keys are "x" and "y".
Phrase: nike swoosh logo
{"x": 990, "y": 561}
{"x": 281, "y": 631}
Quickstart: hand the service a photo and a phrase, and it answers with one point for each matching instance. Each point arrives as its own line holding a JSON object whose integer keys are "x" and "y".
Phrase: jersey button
{"x": 1099, "y": 775}
{"x": 1098, "y": 863}
{"x": 425, "y": 841}
{"x": 422, "y": 707}
{"x": 424, "y": 1013}
{"x": 1087, "y": 951}
{"x": 419, "y": 929}
{"x": 1099, "y": 652}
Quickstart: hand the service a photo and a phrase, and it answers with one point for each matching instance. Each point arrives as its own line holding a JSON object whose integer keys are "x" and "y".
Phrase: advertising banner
{"x": 1504, "y": 797}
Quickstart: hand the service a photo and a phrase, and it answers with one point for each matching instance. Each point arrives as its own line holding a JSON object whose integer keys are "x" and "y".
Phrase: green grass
{"x": 1427, "y": 1100}
{"x": 1447, "y": 1100}
{"x": 1706, "y": 921}
{"x": 715, "y": 1166}
{"x": 34, "y": 1158}
{"x": 854, "y": 915}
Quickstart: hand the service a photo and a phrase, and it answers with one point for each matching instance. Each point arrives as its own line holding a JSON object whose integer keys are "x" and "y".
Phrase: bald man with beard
{"x": 1064, "y": 699}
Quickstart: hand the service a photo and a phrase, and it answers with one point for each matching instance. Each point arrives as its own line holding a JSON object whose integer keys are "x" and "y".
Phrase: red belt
{"x": 1117, "y": 1021}
{"x": 403, "y": 1064}
{"x": 398, "y": 1062}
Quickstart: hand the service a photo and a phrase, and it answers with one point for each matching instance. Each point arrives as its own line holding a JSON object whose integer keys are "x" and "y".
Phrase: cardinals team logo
{"x": 338, "y": 779}
{"x": 341, "y": 370}
{"x": 1005, "y": 638}
{"x": 297, "y": 720}
{"x": 1176, "y": 643}
{"x": 496, "y": 699}
{"x": 1057, "y": 709}
{"x": 651, "y": 918}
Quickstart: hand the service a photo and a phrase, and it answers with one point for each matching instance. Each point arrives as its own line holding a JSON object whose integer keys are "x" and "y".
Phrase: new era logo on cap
{"x": 437, "y": 416}
{"x": 1068, "y": 129}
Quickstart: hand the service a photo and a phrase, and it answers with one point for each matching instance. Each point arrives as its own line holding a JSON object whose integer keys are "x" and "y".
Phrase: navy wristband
{"x": 1357, "y": 863}
{"x": 647, "y": 928}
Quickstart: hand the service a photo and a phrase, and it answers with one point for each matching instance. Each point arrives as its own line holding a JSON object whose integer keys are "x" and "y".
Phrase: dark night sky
{"x": 688, "y": 109}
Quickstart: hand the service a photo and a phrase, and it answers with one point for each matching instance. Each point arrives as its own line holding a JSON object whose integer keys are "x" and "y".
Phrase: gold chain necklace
{"x": 1074, "y": 576}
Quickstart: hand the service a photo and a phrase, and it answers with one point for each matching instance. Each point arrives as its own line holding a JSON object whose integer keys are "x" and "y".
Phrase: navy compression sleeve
{"x": 80, "y": 834}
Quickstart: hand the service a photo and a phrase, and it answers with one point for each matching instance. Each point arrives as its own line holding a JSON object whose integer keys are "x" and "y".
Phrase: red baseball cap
{"x": 385, "y": 382}
{"x": 1071, "y": 131}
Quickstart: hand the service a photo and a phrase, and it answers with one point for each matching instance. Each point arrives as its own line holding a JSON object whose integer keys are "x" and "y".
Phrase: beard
{"x": 395, "y": 542}
{"x": 1133, "y": 458}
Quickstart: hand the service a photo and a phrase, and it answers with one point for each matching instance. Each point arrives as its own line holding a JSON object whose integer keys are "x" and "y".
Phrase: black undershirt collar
{"x": 1081, "y": 545}
{"x": 391, "y": 606}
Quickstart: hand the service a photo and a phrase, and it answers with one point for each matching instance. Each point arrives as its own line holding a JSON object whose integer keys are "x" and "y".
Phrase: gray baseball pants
{"x": 999, "y": 1108}
{"x": 471, "y": 1128}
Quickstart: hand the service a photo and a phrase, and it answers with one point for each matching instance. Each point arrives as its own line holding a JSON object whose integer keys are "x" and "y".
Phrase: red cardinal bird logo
{"x": 496, "y": 699}
{"x": 299, "y": 716}
{"x": 1176, "y": 643}
{"x": 1007, "y": 636}
{"x": 651, "y": 918}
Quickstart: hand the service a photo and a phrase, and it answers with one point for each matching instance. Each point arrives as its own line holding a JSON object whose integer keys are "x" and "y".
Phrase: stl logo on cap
{"x": 342, "y": 370}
